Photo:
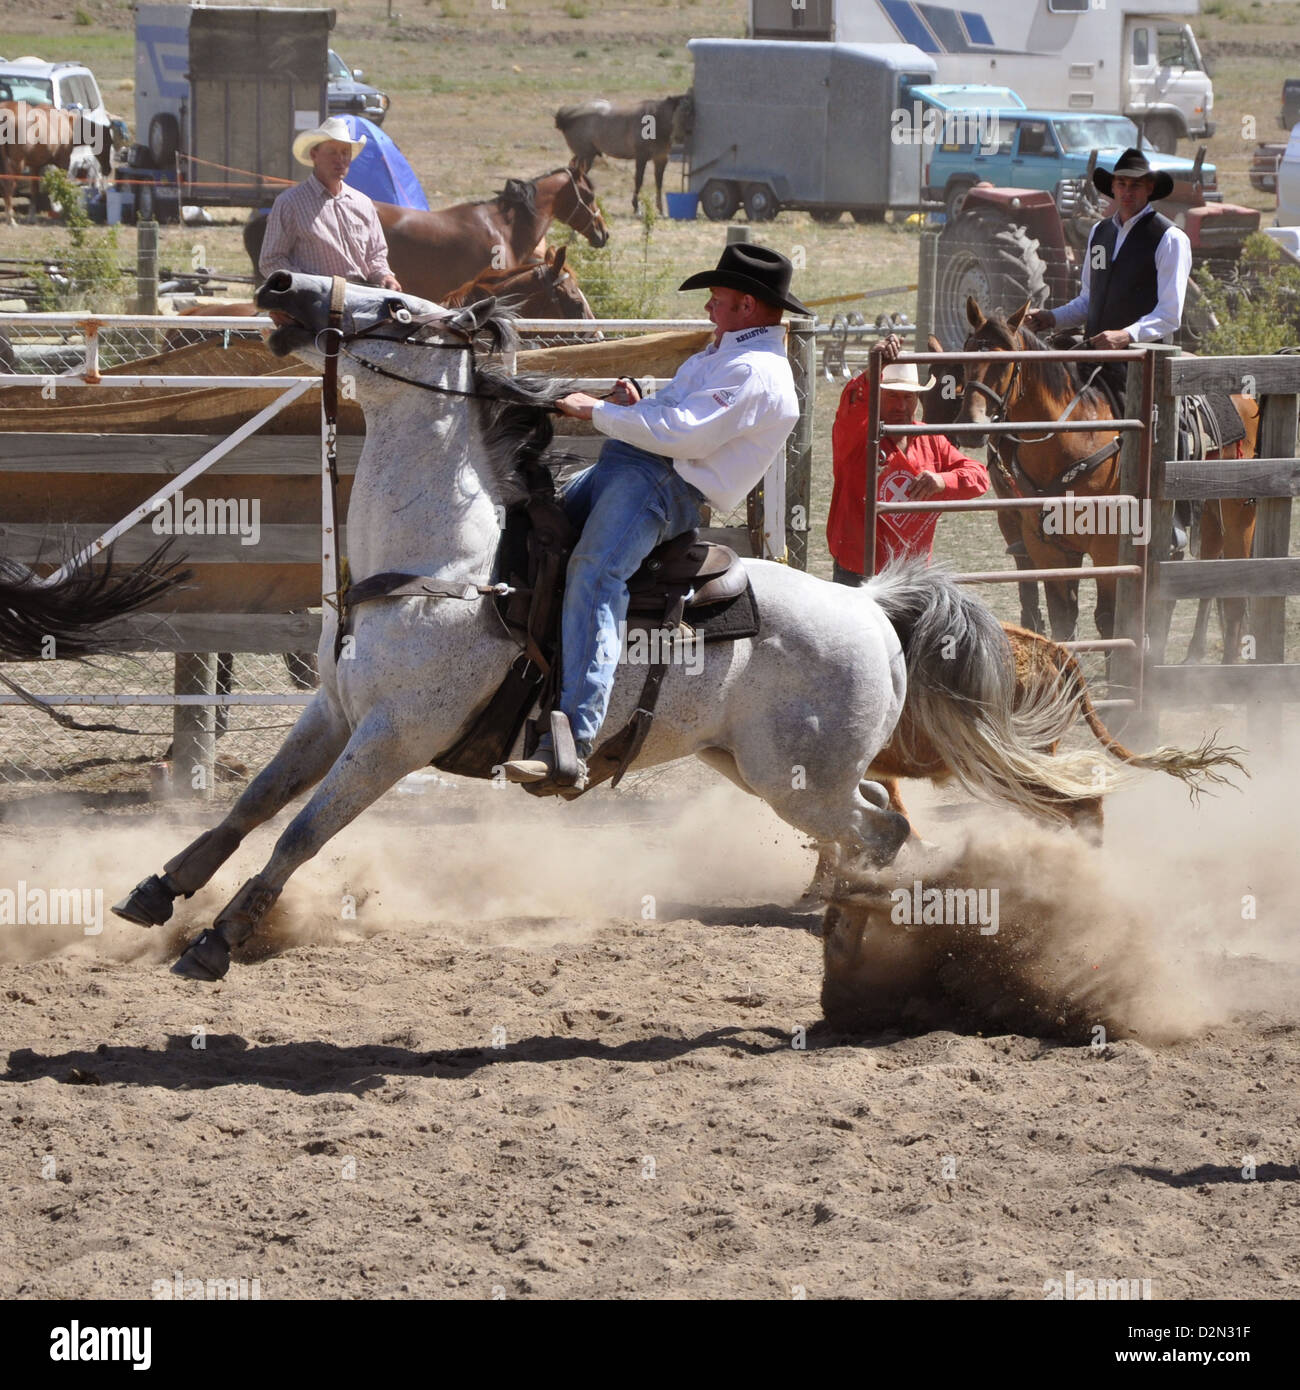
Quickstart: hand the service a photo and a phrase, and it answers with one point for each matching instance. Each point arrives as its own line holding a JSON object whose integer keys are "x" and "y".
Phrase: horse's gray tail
{"x": 961, "y": 696}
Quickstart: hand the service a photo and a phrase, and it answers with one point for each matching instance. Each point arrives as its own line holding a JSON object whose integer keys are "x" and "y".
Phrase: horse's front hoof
{"x": 148, "y": 904}
{"x": 206, "y": 959}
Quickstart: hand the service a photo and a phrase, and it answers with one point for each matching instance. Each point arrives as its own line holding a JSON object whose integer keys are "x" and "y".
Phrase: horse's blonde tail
{"x": 1195, "y": 766}
{"x": 961, "y": 696}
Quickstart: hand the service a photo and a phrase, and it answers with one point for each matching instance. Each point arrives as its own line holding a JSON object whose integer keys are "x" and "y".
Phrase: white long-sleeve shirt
{"x": 723, "y": 419}
{"x": 1173, "y": 265}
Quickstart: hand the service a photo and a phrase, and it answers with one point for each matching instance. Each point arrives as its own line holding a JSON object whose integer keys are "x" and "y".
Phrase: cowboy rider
{"x": 1134, "y": 275}
{"x": 709, "y": 435}
{"x": 324, "y": 226}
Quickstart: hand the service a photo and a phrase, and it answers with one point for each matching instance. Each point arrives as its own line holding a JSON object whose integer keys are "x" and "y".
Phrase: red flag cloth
{"x": 897, "y": 533}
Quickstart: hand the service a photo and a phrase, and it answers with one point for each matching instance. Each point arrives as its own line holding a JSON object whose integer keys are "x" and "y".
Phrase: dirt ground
{"x": 590, "y": 1080}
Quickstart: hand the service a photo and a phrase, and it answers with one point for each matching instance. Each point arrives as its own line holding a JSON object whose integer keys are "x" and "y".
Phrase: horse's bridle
{"x": 590, "y": 209}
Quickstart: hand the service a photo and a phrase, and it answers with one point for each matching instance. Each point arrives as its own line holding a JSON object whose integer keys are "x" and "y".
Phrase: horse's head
{"x": 942, "y": 406}
{"x": 989, "y": 388}
{"x": 300, "y": 306}
{"x": 576, "y": 206}
{"x": 567, "y": 300}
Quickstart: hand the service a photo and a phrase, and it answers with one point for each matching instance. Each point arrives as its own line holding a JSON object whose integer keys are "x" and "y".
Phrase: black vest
{"x": 1124, "y": 288}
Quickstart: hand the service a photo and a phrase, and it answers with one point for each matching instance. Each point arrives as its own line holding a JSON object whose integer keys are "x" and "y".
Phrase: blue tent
{"x": 380, "y": 171}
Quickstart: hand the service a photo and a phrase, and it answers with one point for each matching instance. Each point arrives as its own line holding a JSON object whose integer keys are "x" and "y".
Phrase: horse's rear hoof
{"x": 206, "y": 959}
{"x": 148, "y": 904}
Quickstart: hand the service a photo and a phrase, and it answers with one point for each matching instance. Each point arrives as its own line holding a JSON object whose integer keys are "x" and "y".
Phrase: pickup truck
{"x": 1040, "y": 149}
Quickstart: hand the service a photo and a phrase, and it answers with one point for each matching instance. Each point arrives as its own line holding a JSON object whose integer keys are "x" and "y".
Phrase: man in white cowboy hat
{"x": 1134, "y": 276}
{"x": 708, "y": 435}
{"x": 324, "y": 226}
{"x": 913, "y": 468}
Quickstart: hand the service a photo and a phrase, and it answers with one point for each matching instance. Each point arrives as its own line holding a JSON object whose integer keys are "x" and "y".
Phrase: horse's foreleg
{"x": 636, "y": 187}
{"x": 375, "y": 758}
{"x": 304, "y": 758}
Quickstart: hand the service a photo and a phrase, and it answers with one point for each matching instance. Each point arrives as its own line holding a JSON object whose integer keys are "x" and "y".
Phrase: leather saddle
{"x": 708, "y": 572}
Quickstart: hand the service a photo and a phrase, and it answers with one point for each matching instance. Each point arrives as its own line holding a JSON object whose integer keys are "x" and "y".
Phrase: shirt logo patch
{"x": 724, "y": 397}
{"x": 752, "y": 333}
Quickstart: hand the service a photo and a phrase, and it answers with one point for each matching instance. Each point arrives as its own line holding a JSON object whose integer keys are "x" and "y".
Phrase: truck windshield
{"x": 14, "y": 87}
{"x": 338, "y": 68}
{"x": 1096, "y": 133}
{"x": 1177, "y": 49}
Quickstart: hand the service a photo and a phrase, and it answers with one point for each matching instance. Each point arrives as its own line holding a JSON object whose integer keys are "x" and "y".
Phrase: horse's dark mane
{"x": 518, "y": 427}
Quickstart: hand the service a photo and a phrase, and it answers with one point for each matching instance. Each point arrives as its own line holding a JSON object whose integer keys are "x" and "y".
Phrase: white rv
{"x": 1087, "y": 55}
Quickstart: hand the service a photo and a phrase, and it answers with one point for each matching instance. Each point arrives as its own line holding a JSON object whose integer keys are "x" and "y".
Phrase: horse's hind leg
{"x": 376, "y": 757}
{"x": 304, "y": 758}
{"x": 636, "y": 187}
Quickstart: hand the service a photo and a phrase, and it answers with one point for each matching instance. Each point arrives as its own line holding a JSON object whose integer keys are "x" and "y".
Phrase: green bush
{"x": 1258, "y": 307}
{"x": 91, "y": 264}
{"x": 623, "y": 284}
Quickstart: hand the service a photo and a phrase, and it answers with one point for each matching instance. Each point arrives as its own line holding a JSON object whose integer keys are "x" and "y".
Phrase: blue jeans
{"x": 627, "y": 503}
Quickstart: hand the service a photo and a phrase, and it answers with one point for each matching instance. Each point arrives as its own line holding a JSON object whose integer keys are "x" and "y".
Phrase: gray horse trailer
{"x": 819, "y": 126}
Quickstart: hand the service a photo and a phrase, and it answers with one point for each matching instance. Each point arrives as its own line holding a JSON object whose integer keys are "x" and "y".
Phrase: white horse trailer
{"x": 1088, "y": 55}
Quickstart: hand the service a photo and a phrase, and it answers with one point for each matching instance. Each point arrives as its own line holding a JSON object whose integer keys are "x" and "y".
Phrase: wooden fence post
{"x": 1277, "y": 440}
{"x": 1131, "y": 591}
{"x": 193, "y": 726}
{"x": 1160, "y": 612}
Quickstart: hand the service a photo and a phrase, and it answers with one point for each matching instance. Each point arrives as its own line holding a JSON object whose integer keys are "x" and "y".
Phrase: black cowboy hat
{"x": 1134, "y": 164}
{"x": 755, "y": 270}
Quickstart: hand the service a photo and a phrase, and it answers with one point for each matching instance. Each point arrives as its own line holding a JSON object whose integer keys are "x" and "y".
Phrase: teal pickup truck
{"x": 1040, "y": 149}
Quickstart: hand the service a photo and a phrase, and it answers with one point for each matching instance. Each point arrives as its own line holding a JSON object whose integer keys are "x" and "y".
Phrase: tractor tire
{"x": 995, "y": 261}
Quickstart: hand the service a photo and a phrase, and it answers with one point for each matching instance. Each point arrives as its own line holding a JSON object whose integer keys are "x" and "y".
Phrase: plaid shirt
{"x": 315, "y": 232}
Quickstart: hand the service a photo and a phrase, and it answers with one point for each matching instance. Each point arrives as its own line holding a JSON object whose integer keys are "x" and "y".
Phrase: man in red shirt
{"x": 913, "y": 468}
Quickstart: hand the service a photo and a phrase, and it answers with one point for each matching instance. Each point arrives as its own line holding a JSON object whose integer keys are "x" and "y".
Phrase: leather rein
{"x": 1020, "y": 483}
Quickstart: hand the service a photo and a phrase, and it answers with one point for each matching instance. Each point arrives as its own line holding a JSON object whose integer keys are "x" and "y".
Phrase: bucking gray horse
{"x": 793, "y": 715}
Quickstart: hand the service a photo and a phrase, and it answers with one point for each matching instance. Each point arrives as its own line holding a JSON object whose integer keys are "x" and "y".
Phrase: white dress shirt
{"x": 1173, "y": 265}
{"x": 723, "y": 419}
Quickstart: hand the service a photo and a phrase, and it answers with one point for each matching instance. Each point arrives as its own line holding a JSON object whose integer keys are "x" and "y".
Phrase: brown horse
{"x": 640, "y": 130}
{"x": 942, "y": 407}
{"x": 536, "y": 289}
{"x": 434, "y": 253}
{"x": 1085, "y": 463}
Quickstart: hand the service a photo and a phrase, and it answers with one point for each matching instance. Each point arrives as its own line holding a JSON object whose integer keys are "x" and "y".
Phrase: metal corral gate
{"x": 1149, "y": 583}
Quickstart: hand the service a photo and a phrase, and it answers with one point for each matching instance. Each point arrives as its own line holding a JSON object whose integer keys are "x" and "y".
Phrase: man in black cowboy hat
{"x": 709, "y": 435}
{"x": 1134, "y": 278}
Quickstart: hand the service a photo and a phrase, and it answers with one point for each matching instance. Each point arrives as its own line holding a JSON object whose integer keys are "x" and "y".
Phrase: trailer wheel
{"x": 164, "y": 140}
{"x": 1163, "y": 133}
{"x": 760, "y": 203}
{"x": 995, "y": 261}
{"x": 864, "y": 217}
{"x": 826, "y": 216}
{"x": 719, "y": 199}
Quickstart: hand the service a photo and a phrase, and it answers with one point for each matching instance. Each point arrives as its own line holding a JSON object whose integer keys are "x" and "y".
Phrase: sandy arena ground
{"x": 583, "y": 1082}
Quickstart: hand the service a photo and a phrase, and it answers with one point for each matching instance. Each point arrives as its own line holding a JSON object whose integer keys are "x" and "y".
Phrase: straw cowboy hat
{"x": 1133, "y": 164}
{"x": 751, "y": 269}
{"x": 336, "y": 128}
{"x": 902, "y": 376}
